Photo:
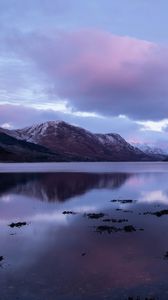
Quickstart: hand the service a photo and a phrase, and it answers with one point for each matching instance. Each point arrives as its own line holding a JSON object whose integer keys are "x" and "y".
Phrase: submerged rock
{"x": 123, "y": 210}
{"x": 166, "y": 255}
{"x": 95, "y": 215}
{"x": 115, "y": 220}
{"x": 18, "y": 224}
{"x": 111, "y": 229}
{"x": 1, "y": 259}
{"x": 108, "y": 229}
{"x": 129, "y": 228}
{"x": 68, "y": 213}
{"x": 157, "y": 213}
{"x": 138, "y": 298}
{"x": 124, "y": 201}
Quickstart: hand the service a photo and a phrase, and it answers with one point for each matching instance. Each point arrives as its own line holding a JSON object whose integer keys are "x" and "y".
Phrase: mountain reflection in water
{"x": 56, "y": 255}
{"x": 58, "y": 186}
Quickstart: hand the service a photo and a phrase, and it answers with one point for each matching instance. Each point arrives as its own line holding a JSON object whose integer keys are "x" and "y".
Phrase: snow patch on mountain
{"x": 151, "y": 149}
{"x": 33, "y": 133}
{"x": 77, "y": 142}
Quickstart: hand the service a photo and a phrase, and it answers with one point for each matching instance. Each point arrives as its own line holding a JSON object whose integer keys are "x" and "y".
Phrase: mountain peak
{"x": 43, "y": 125}
{"x": 75, "y": 142}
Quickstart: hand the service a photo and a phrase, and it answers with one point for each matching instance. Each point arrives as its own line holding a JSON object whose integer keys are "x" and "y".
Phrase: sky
{"x": 99, "y": 64}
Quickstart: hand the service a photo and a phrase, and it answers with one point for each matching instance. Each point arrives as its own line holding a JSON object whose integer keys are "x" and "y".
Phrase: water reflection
{"x": 43, "y": 260}
{"x": 59, "y": 186}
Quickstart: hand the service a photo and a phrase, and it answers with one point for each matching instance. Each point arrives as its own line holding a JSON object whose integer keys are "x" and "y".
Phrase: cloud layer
{"x": 79, "y": 61}
{"x": 97, "y": 71}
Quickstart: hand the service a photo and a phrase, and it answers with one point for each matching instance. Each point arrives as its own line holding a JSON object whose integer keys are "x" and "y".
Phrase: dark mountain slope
{"x": 12, "y": 149}
{"x": 79, "y": 144}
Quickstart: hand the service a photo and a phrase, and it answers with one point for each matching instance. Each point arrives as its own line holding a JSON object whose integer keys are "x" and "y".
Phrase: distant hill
{"x": 60, "y": 141}
{"x": 153, "y": 151}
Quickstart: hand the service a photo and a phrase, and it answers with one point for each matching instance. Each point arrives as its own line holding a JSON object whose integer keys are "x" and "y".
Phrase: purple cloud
{"x": 97, "y": 71}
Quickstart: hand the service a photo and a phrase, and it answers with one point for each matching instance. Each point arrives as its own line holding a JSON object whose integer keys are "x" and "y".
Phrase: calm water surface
{"x": 69, "y": 256}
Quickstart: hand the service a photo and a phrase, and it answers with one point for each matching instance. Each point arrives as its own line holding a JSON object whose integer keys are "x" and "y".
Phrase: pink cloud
{"x": 97, "y": 71}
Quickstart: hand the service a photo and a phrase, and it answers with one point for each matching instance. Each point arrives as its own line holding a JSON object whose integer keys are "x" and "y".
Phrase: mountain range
{"x": 152, "y": 150}
{"x": 60, "y": 141}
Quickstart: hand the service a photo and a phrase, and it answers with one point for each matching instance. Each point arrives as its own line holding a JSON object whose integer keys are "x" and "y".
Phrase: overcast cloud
{"x": 89, "y": 63}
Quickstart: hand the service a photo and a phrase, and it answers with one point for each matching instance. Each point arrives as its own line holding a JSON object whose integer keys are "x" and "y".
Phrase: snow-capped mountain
{"x": 12, "y": 149}
{"x": 76, "y": 143}
{"x": 152, "y": 150}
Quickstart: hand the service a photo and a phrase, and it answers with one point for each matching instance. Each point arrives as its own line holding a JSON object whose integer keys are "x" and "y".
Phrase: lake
{"x": 81, "y": 231}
